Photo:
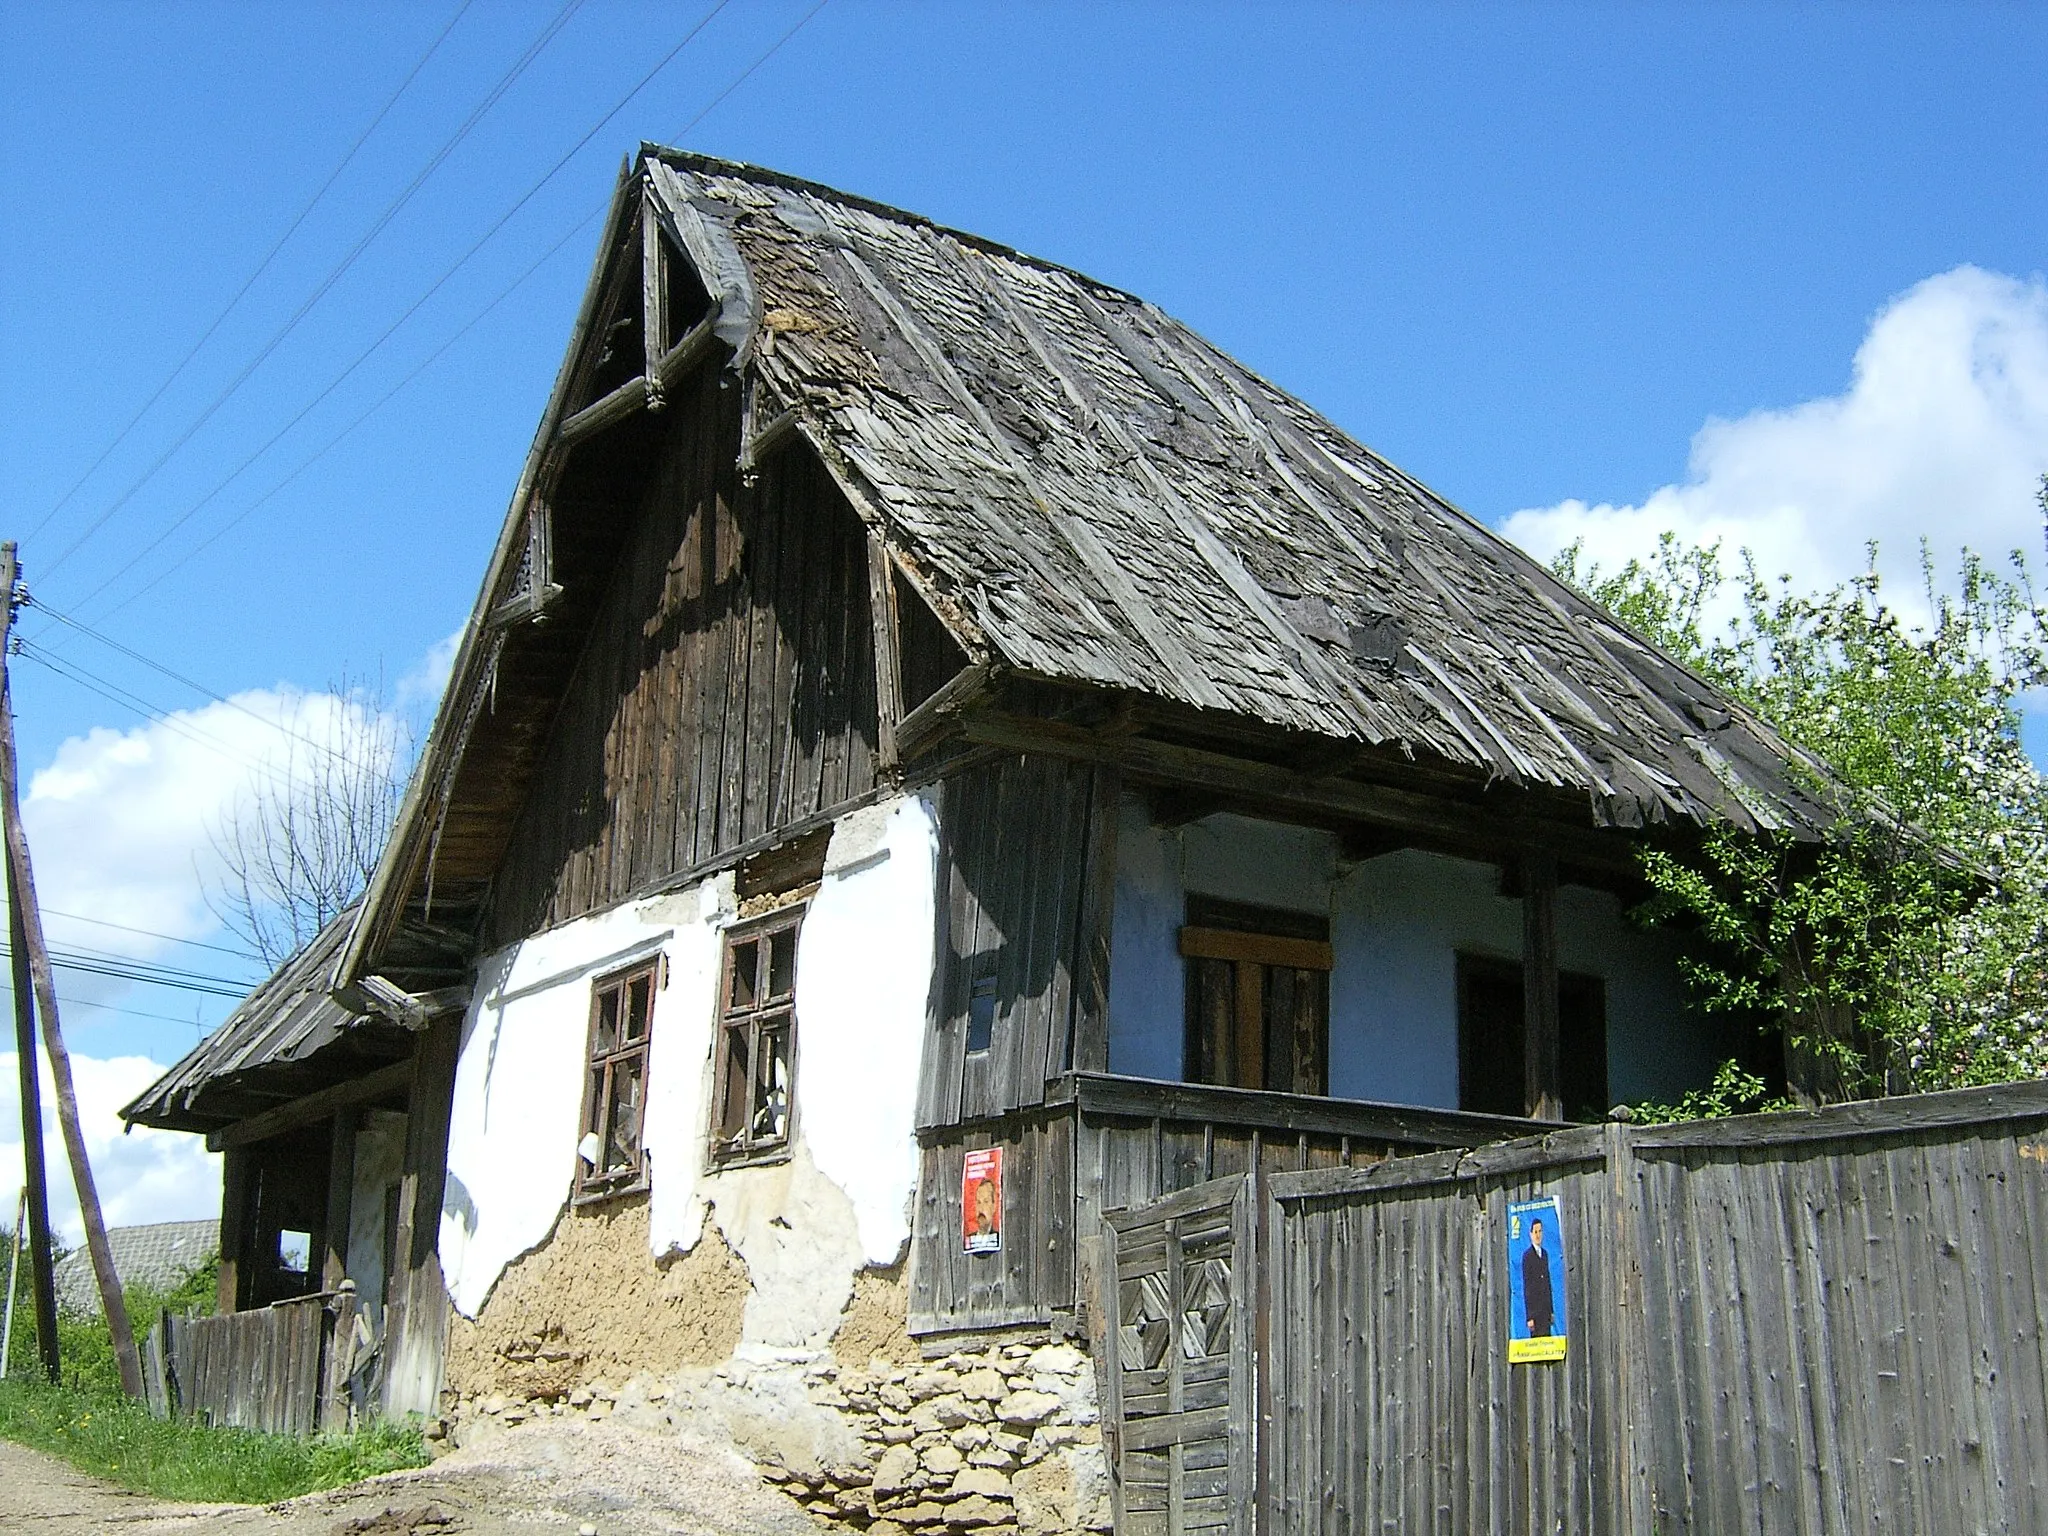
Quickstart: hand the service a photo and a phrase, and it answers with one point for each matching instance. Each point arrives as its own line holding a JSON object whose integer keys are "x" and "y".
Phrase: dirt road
{"x": 614, "y": 1480}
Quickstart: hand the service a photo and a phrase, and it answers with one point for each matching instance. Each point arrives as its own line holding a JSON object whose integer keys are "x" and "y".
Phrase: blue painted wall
{"x": 1397, "y": 924}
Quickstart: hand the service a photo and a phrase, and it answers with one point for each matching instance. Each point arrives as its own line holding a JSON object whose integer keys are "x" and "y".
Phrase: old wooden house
{"x": 945, "y": 769}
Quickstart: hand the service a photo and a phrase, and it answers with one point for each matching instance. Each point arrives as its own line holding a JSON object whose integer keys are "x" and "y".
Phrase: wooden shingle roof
{"x": 1106, "y": 498}
{"x": 265, "y": 1051}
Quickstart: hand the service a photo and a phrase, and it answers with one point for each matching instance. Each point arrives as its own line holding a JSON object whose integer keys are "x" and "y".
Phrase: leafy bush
{"x": 1908, "y": 949}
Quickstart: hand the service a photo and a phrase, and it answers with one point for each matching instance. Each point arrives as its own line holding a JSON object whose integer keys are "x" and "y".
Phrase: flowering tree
{"x": 1908, "y": 950}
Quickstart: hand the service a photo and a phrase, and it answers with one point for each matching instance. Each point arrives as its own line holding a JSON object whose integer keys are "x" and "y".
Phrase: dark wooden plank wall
{"x": 1772, "y": 1329}
{"x": 1016, "y": 841}
{"x": 728, "y": 686}
{"x": 1032, "y": 1279}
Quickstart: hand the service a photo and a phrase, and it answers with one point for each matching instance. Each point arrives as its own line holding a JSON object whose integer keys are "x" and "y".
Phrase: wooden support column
{"x": 1089, "y": 1047}
{"x": 341, "y": 1181}
{"x": 653, "y": 304}
{"x": 888, "y": 666}
{"x": 1542, "y": 1071}
{"x": 416, "y": 1326}
{"x": 235, "y": 1215}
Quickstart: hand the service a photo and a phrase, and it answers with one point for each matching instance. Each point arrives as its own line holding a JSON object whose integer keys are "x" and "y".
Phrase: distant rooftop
{"x": 159, "y": 1256}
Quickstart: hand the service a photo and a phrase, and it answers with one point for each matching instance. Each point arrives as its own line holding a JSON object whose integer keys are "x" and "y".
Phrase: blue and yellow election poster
{"x": 1536, "y": 1328}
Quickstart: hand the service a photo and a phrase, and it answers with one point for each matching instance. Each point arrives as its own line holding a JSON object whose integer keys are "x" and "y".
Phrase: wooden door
{"x": 1180, "y": 1379}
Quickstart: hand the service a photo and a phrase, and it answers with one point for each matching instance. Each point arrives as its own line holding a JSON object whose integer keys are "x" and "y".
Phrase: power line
{"x": 178, "y": 677}
{"x": 170, "y": 569}
{"x": 261, "y": 267}
{"x": 181, "y": 981}
{"x": 490, "y": 100}
{"x": 435, "y": 287}
{"x": 114, "y": 693}
{"x": 150, "y": 933}
{"x": 133, "y": 1013}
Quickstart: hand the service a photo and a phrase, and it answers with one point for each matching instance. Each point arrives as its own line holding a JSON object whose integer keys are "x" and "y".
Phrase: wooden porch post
{"x": 1542, "y": 1073}
{"x": 341, "y": 1179}
{"x": 234, "y": 1226}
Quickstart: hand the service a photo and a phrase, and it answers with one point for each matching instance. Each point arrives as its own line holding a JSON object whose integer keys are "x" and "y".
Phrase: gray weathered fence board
{"x": 1812, "y": 1324}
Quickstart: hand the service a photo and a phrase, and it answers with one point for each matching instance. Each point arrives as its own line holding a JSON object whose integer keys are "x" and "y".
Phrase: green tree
{"x": 1907, "y": 949}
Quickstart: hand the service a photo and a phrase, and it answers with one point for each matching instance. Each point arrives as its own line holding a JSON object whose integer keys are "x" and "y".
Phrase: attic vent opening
{"x": 930, "y": 655}
{"x": 531, "y": 588}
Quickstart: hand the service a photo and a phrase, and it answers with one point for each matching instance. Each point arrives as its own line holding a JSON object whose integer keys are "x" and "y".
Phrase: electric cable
{"x": 114, "y": 693}
{"x": 211, "y": 986}
{"x": 250, "y": 281}
{"x": 151, "y": 933}
{"x": 435, "y": 287}
{"x": 321, "y": 290}
{"x": 7, "y": 991}
{"x": 178, "y": 677}
{"x": 171, "y": 568}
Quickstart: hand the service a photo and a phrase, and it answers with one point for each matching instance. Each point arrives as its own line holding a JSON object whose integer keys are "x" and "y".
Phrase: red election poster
{"x": 981, "y": 1201}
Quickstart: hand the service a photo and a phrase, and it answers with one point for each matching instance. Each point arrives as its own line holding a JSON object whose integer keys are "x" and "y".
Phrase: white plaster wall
{"x": 803, "y": 1227}
{"x": 519, "y": 1083}
{"x": 1264, "y": 863}
{"x": 1398, "y": 925}
{"x": 863, "y": 990}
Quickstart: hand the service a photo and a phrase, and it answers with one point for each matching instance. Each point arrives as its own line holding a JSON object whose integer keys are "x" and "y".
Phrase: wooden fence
{"x": 1822, "y": 1322}
{"x": 283, "y": 1369}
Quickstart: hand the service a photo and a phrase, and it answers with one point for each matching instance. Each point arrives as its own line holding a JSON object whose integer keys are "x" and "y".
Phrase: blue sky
{"x": 1528, "y": 253}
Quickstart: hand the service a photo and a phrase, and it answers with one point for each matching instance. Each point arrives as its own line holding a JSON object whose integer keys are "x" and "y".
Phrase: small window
{"x": 756, "y": 1042}
{"x": 981, "y": 1015}
{"x": 295, "y": 1251}
{"x": 1258, "y": 997}
{"x": 609, "y": 1157}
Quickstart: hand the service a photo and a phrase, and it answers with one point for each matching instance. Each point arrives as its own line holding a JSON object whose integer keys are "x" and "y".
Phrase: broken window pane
{"x": 757, "y": 1054}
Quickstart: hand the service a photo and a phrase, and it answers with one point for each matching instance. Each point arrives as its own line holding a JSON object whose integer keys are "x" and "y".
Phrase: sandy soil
{"x": 558, "y": 1476}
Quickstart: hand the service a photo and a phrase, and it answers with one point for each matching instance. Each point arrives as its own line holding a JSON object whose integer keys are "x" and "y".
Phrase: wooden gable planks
{"x": 706, "y": 690}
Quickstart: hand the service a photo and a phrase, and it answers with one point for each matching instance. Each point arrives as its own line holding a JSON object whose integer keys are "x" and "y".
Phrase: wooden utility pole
{"x": 26, "y": 928}
{"x": 42, "y": 1270}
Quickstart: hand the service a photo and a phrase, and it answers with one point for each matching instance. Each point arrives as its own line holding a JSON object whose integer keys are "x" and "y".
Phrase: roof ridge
{"x": 747, "y": 171}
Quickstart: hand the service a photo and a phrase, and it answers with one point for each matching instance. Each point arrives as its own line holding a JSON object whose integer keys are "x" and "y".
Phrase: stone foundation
{"x": 1000, "y": 1440}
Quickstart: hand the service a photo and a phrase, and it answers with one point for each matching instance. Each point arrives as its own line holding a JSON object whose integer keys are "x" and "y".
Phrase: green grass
{"x": 114, "y": 1437}
{"x": 87, "y": 1421}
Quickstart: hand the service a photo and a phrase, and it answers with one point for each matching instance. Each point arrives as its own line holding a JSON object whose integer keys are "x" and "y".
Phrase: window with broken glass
{"x": 757, "y": 1042}
{"x": 610, "y": 1159}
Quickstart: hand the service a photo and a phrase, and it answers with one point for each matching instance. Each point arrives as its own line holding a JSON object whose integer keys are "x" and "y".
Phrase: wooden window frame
{"x": 769, "y": 1011}
{"x": 601, "y": 1067}
{"x": 1253, "y": 955}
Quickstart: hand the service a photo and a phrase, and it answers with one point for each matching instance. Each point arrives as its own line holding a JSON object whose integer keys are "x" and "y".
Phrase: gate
{"x": 1181, "y": 1379}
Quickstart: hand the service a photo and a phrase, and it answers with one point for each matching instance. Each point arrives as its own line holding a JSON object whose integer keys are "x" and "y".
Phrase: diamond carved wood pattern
{"x": 1205, "y": 1309}
{"x": 1145, "y": 1326}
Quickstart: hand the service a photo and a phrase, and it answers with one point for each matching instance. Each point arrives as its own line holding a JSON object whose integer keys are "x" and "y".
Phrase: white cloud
{"x": 122, "y": 823}
{"x": 1942, "y": 432}
{"x": 141, "y": 1177}
{"x": 420, "y": 688}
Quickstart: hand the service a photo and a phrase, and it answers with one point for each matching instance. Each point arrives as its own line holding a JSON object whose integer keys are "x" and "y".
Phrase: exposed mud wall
{"x": 593, "y": 1305}
{"x": 874, "y": 1325}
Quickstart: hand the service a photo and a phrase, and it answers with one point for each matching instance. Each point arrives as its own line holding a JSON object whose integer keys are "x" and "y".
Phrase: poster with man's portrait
{"x": 981, "y": 1201}
{"x": 1536, "y": 1325}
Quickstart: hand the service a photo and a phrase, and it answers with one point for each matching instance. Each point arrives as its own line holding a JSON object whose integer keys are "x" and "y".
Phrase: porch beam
{"x": 1138, "y": 1098}
{"x": 314, "y": 1106}
{"x": 1441, "y": 822}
